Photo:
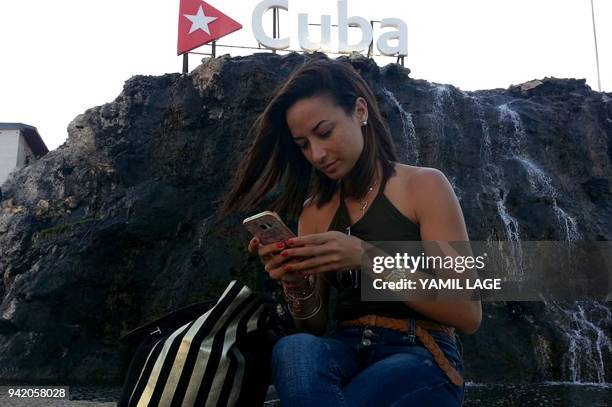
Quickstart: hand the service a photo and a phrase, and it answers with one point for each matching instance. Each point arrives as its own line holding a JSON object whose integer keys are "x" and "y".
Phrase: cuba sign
{"x": 399, "y": 35}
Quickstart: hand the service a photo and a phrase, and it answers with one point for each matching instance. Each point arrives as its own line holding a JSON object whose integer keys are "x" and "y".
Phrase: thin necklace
{"x": 364, "y": 204}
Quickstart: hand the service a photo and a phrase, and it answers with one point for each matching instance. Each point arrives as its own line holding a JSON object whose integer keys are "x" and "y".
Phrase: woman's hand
{"x": 320, "y": 252}
{"x": 269, "y": 256}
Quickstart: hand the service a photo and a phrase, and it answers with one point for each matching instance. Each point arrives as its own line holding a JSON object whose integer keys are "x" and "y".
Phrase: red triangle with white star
{"x": 200, "y": 23}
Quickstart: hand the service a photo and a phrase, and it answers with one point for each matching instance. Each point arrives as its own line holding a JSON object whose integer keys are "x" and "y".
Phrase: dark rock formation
{"x": 118, "y": 225}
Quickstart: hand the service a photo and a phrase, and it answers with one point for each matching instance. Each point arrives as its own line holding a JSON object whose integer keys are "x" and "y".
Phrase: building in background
{"x": 20, "y": 145}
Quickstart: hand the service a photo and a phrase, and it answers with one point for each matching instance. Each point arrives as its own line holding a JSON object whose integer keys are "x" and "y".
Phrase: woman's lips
{"x": 329, "y": 166}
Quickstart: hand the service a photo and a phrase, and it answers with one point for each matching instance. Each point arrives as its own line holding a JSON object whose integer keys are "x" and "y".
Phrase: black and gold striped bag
{"x": 220, "y": 358}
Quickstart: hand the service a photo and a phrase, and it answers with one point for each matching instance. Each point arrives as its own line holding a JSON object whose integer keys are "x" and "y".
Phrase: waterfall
{"x": 579, "y": 322}
{"x": 579, "y": 326}
{"x": 567, "y": 223}
{"x": 440, "y": 94}
{"x": 485, "y": 147}
{"x": 408, "y": 132}
{"x": 510, "y": 123}
{"x": 509, "y": 118}
{"x": 541, "y": 185}
{"x": 514, "y": 264}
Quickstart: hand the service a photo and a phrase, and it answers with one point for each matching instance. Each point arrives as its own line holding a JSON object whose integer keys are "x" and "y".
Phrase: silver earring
{"x": 364, "y": 123}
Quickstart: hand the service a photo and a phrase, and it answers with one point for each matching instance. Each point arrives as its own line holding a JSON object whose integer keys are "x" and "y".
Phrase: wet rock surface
{"x": 118, "y": 225}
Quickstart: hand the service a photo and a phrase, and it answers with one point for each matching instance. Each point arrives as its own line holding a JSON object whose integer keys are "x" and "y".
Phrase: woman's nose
{"x": 318, "y": 153}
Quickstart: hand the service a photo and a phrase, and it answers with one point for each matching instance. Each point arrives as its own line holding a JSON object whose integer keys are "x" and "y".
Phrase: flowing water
{"x": 581, "y": 326}
{"x": 580, "y": 322}
{"x": 408, "y": 131}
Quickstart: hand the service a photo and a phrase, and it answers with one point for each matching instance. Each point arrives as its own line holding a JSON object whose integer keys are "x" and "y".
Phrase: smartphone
{"x": 268, "y": 227}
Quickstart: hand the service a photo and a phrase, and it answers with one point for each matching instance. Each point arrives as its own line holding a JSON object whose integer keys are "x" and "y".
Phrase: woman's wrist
{"x": 301, "y": 295}
{"x": 360, "y": 257}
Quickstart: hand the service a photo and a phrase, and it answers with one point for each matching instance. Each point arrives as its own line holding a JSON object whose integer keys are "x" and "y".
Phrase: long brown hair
{"x": 274, "y": 158}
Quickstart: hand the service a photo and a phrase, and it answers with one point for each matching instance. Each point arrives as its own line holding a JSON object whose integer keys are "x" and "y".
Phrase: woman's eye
{"x": 326, "y": 134}
{"x": 303, "y": 146}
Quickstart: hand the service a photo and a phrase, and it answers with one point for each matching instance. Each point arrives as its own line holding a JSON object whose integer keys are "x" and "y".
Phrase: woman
{"x": 322, "y": 136}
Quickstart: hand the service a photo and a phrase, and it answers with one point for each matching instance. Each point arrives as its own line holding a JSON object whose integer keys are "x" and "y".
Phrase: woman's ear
{"x": 361, "y": 110}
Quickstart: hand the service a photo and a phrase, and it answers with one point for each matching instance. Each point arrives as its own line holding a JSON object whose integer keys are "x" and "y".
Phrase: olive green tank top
{"x": 381, "y": 222}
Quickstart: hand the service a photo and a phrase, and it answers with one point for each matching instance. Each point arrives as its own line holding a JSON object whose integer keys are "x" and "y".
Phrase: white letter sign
{"x": 400, "y": 34}
{"x": 257, "y": 21}
{"x": 343, "y": 25}
{"x": 304, "y": 36}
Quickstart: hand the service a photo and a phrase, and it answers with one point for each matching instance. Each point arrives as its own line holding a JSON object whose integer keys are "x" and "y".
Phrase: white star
{"x": 200, "y": 21}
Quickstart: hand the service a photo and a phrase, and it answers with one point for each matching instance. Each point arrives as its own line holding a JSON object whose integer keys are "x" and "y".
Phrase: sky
{"x": 59, "y": 58}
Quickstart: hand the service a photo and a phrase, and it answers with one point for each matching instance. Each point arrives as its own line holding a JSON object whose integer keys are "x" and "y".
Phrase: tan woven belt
{"x": 420, "y": 330}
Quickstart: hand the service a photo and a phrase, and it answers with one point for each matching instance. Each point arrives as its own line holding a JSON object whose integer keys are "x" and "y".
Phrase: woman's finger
{"x": 313, "y": 239}
{"x": 265, "y": 259}
{"x": 253, "y": 245}
{"x": 278, "y": 264}
{"x": 271, "y": 248}
{"x": 322, "y": 269}
{"x": 276, "y": 261}
{"x": 312, "y": 262}
{"x": 307, "y": 251}
{"x": 276, "y": 273}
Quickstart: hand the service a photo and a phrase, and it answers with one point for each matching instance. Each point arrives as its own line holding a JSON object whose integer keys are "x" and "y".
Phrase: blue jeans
{"x": 364, "y": 366}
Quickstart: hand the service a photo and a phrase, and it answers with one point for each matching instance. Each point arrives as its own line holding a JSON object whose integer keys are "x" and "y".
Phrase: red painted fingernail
{"x": 290, "y": 241}
{"x": 280, "y": 245}
{"x": 285, "y": 254}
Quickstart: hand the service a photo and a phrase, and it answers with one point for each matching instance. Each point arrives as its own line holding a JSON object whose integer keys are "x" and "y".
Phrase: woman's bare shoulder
{"x": 407, "y": 190}
{"x": 410, "y": 172}
{"x": 412, "y": 178}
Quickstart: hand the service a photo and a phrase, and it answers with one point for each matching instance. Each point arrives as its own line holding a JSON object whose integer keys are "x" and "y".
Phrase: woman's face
{"x": 330, "y": 139}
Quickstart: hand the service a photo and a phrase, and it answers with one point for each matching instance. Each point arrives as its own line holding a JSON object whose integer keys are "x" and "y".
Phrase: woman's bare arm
{"x": 441, "y": 219}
